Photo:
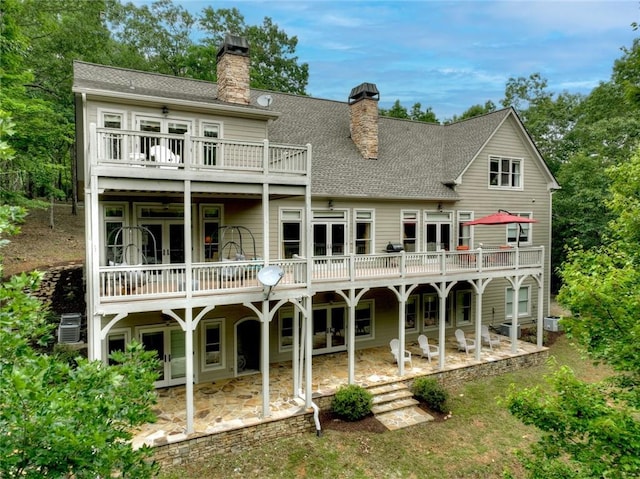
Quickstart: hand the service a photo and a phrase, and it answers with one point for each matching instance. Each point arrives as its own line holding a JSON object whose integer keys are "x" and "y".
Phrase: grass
{"x": 479, "y": 441}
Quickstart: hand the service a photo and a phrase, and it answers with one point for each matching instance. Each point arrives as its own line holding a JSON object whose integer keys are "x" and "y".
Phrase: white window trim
{"x": 102, "y": 111}
{"x": 127, "y": 340}
{"x": 457, "y": 306}
{"x": 527, "y": 313}
{"x": 418, "y": 228}
{"x": 529, "y": 241}
{"x": 471, "y": 230}
{"x": 103, "y": 224}
{"x": 203, "y": 343}
{"x": 372, "y": 333}
{"x": 453, "y": 232}
{"x": 201, "y": 220}
{"x": 372, "y": 222}
{"x": 205, "y": 123}
{"x": 501, "y": 187}
{"x": 281, "y": 219}
{"x": 285, "y": 312}
{"x": 416, "y": 299}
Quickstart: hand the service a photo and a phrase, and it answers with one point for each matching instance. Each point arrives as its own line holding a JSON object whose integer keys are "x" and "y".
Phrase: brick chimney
{"x": 233, "y": 70}
{"x": 363, "y": 109}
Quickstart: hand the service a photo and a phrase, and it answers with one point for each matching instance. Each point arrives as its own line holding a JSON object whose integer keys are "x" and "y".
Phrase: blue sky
{"x": 448, "y": 55}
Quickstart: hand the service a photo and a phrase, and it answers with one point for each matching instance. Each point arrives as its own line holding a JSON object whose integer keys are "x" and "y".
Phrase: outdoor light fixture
{"x": 165, "y": 110}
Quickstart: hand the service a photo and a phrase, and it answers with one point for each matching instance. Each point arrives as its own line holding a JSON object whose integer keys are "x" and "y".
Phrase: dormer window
{"x": 505, "y": 172}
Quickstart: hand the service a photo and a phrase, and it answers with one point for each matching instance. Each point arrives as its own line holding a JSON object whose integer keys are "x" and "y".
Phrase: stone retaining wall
{"x": 238, "y": 440}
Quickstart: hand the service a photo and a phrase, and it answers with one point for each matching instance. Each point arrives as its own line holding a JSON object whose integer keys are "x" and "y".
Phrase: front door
{"x": 168, "y": 344}
{"x": 329, "y": 239}
{"x": 329, "y": 329}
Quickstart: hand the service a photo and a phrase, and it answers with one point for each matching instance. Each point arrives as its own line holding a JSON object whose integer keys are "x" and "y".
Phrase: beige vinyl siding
{"x": 533, "y": 198}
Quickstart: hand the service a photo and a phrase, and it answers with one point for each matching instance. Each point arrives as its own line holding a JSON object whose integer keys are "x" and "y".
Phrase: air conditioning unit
{"x": 69, "y": 329}
{"x": 505, "y": 329}
{"x": 551, "y": 323}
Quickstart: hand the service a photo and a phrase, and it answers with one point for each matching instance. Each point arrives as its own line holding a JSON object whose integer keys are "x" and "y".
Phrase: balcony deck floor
{"x": 237, "y": 402}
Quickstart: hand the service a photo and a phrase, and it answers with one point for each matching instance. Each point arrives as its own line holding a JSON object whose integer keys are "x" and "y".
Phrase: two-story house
{"x": 229, "y": 228}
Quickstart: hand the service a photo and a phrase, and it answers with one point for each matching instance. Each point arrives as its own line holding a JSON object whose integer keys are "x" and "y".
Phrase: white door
{"x": 166, "y": 133}
{"x": 168, "y": 344}
{"x": 163, "y": 241}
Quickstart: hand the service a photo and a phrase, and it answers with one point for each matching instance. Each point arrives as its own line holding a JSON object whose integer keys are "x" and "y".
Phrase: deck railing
{"x": 170, "y": 280}
{"x": 171, "y": 151}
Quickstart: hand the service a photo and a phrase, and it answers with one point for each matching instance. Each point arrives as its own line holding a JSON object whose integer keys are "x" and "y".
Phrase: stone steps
{"x": 395, "y": 407}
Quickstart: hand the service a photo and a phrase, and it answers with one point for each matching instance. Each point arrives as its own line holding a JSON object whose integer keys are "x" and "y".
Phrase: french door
{"x": 168, "y": 344}
{"x": 163, "y": 132}
{"x": 329, "y": 239}
{"x": 329, "y": 329}
{"x": 438, "y": 231}
{"x": 163, "y": 241}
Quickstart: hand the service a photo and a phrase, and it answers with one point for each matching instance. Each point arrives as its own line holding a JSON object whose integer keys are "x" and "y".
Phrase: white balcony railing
{"x": 147, "y": 149}
{"x": 170, "y": 280}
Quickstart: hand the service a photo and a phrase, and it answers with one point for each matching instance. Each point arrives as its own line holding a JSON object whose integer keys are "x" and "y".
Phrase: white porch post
{"x": 296, "y": 353}
{"x": 515, "y": 307}
{"x": 264, "y": 351}
{"x": 188, "y": 339}
{"x": 402, "y": 301}
{"x": 478, "y": 322}
{"x": 540, "y": 321}
{"x": 351, "y": 338}
{"x": 442, "y": 313}
{"x": 308, "y": 351}
{"x": 92, "y": 215}
{"x": 188, "y": 333}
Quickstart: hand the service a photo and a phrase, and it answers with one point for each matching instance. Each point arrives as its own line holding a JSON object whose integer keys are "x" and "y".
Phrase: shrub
{"x": 431, "y": 392}
{"x": 352, "y": 402}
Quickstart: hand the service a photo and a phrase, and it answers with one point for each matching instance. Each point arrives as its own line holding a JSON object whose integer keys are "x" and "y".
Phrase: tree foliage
{"x": 416, "y": 113}
{"x": 593, "y": 430}
{"x": 61, "y": 418}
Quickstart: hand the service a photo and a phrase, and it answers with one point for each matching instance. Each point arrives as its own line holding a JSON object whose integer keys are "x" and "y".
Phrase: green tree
{"x": 416, "y": 113}
{"x": 475, "y": 110}
{"x": 593, "y": 430}
{"x": 62, "y": 417}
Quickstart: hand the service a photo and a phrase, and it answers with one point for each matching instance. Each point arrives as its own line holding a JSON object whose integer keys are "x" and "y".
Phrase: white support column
{"x": 351, "y": 338}
{"x": 402, "y": 302}
{"x": 479, "y": 291}
{"x": 539, "y": 329}
{"x": 189, "y": 372}
{"x": 443, "y": 290}
{"x": 265, "y": 224}
{"x": 514, "y": 315}
{"x": 188, "y": 254}
{"x": 308, "y": 351}
{"x": 93, "y": 262}
{"x": 296, "y": 353}
{"x": 264, "y": 352}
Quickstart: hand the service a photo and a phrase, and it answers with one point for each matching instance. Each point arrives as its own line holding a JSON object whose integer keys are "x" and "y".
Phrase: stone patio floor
{"x": 237, "y": 402}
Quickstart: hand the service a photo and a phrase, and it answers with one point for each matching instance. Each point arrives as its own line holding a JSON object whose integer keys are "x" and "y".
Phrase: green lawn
{"x": 479, "y": 441}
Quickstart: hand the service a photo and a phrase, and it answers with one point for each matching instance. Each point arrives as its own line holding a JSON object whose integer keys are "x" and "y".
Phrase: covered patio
{"x": 234, "y": 403}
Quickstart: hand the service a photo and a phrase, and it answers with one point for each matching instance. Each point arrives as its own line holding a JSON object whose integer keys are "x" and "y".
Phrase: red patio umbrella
{"x": 502, "y": 217}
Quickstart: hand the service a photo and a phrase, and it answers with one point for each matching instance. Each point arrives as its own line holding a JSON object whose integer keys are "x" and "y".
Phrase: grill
{"x": 394, "y": 248}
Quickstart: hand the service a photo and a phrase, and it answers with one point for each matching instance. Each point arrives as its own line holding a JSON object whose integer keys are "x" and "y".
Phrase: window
{"x": 524, "y": 300}
{"x": 286, "y": 329}
{"x": 291, "y": 231}
{"x": 463, "y": 308}
{"x": 430, "y": 311}
{"x": 211, "y": 216}
{"x": 117, "y": 340}
{"x": 519, "y": 233}
{"x": 410, "y": 230}
{"x": 113, "y": 223}
{"x": 112, "y": 141}
{"x": 364, "y": 227}
{"x": 411, "y": 313}
{"x": 211, "y": 131}
{"x": 212, "y": 334}
{"x": 505, "y": 172}
{"x": 464, "y": 232}
{"x": 364, "y": 320}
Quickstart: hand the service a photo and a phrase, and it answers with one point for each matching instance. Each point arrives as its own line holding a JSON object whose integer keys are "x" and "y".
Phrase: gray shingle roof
{"x": 415, "y": 159}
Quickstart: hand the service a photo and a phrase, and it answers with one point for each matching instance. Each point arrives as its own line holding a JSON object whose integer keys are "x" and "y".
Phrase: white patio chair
{"x": 162, "y": 154}
{"x": 488, "y": 338}
{"x": 428, "y": 350}
{"x": 464, "y": 344}
{"x": 394, "y": 344}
